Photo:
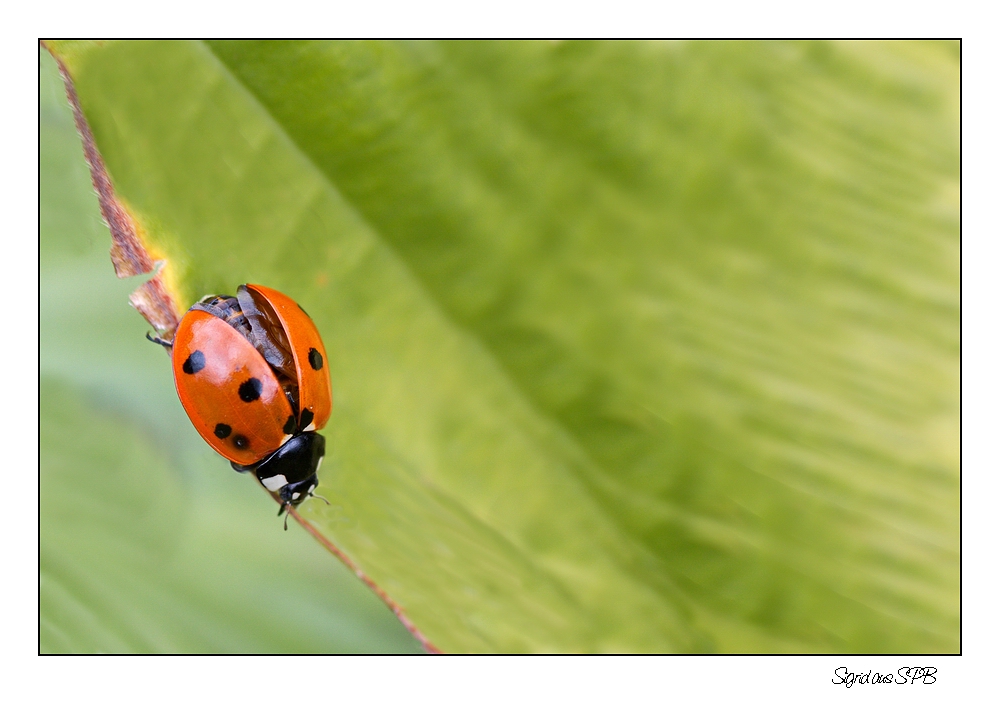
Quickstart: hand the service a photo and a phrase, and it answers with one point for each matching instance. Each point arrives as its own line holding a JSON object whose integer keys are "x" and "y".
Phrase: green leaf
{"x": 642, "y": 347}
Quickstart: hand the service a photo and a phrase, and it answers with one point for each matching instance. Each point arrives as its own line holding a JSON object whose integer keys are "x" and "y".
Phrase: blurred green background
{"x": 635, "y": 346}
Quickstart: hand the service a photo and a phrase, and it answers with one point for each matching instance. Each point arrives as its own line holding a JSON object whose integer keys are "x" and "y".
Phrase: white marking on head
{"x": 319, "y": 463}
{"x": 311, "y": 426}
{"x": 274, "y": 483}
{"x": 296, "y": 495}
{"x": 285, "y": 439}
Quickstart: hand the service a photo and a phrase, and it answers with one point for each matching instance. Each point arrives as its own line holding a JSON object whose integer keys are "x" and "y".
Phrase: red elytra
{"x": 312, "y": 371}
{"x": 212, "y": 361}
{"x": 251, "y": 373}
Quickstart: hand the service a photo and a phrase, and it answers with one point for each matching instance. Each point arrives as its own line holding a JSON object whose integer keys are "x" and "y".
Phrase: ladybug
{"x": 251, "y": 373}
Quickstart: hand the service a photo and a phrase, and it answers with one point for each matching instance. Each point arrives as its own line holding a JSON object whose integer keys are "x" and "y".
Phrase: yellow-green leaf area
{"x": 634, "y": 346}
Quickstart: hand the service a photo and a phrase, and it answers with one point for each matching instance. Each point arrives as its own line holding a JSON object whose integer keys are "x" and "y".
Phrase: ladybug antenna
{"x": 317, "y": 496}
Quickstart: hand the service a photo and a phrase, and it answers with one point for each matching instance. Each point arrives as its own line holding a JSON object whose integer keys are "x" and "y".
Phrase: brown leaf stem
{"x": 128, "y": 253}
{"x": 393, "y": 606}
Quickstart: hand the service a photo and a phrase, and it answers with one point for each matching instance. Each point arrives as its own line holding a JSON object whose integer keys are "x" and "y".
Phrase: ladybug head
{"x": 290, "y": 471}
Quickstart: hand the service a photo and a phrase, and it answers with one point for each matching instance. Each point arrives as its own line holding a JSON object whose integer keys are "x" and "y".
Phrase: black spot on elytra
{"x": 315, "y": 359}
{"x": 289, "y": 425}
{"x": 194, "y": 363}
{"x": 306, "y": 419}
{"x": 241, "y": 441}
{"x": 250, "y": 389}
{"x": 222, "y": 431}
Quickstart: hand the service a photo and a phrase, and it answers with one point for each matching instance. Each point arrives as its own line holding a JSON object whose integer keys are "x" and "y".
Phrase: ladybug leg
{"x": 160, "y": 341}
{"x": 282, "y": 510}
{"x": 242, "y": 469}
